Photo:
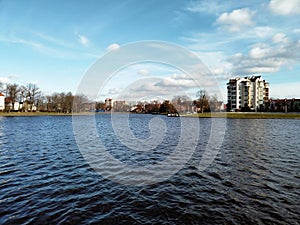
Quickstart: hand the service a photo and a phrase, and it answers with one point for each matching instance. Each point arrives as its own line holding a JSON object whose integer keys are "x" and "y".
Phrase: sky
{"x": 55, "y": 43}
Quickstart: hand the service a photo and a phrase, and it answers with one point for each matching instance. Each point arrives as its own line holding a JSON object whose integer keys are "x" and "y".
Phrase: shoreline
{"x": 29, "y": 114}
{"x": 247, "y": 115}
{"x": 229, "y": 115}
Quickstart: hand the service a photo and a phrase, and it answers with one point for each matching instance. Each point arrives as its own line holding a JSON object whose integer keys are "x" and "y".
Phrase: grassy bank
{"x": 247, "y": 115}
{"x": 11, "y": 114}
{"x": 233, "y": 115}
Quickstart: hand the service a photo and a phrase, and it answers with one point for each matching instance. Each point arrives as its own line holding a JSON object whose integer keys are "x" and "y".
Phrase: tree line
{"x": 29, "y": 98}
{"x": 182, "y": 104}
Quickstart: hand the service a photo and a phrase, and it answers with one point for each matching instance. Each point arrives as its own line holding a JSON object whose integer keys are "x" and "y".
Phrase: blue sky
{"x": 53, "y": 43}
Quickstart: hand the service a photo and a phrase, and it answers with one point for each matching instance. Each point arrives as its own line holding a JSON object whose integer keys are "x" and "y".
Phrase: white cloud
{"x": 181, "y": 76}
{"x": 261, "y": 31}
{"x": 207, "y": 6}
{"x": 236, "y": 20}
{"x": 52, "y": 40}
{"x": 285, "y": 7}
{"x": 217, "y": 64}
{"x": 13, "y": 77}
{"x": 46, "y": 49}
{"x": 4, "y": 80}
{"x": 296, "y": 30}
{"x": 259, "y": 51}
{"x": 114, "y": 91}
{"x": 33, "y": 82}
{"x": 143, "y": 72}
{"x": 280, "y": 38}
{"x": 217, "y": 43}
{"x": 148, "y": 88}
{"x": 83, "y": 39}
{"x": 8, "y": 79}
{"x": 113, "y": 47}
{"x": 179, "y": 81}
{"x": 267, "y": 58}
{"x": 285, "y": 90}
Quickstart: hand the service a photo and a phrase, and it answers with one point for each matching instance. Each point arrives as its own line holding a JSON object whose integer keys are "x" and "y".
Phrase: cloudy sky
{"x": 54, "y": 43}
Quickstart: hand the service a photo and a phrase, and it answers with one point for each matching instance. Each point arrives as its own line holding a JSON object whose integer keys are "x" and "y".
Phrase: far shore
{"x": 247, "y": 115}
{"x": 13, "y": 114}
{"x": 229, "y": 115}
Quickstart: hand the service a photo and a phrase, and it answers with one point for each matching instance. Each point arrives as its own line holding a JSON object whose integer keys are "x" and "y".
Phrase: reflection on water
{"x": 253, "y": 180}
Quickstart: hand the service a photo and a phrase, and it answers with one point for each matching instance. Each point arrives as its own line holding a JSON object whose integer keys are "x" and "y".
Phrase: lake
{"x": 46, "y": 177}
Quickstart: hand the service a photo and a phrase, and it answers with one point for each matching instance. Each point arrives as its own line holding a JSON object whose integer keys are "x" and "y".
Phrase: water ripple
{"x": 255, "y": 178}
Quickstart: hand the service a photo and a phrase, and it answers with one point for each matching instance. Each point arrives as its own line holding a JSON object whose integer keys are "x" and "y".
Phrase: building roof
{"x": 8, "y": 100}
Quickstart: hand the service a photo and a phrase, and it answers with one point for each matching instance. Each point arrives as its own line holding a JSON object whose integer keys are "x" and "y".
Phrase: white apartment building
{"x": 247, "y": 93}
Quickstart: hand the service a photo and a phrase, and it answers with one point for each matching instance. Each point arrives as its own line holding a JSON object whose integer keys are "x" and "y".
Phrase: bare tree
{"x": 59, "y": 102}
{"x": 12, "y": 93}
{"x": 214, "y": 103}
{"x": 202, "y": 99}
{"x": 55, "y": 102}
{"x": 41, "y": 103}
{"x": 49, "y": 103}
{"x": 182, "y": 103}
{"x": 22, "y": 96}
{"x": 33, "y": 92}
{"x": 69, "y": 98}
{"x": 1, "y": 86}
{"x": 22, "y": 93}
{"x": 78, "y": 102}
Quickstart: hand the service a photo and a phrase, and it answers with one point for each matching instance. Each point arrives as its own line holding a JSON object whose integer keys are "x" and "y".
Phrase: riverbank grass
{"x": 241, "y": 115}
{"x": 230, "y": 115}
{"x": 13, "y": 114}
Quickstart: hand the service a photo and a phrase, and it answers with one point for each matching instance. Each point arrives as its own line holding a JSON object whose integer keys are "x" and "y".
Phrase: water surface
{"x": 255, "y": 178}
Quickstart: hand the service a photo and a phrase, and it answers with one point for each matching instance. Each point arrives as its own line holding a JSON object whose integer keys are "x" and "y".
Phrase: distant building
{"x": 2, "y": 102}
{"x": 8, "y": 103}
{"x": 16, "y": 106}
{"x": 116, "y": 106}
{"x": 120, "y": 106}
{"x": 248, "y": 93}
{"x": 11, "y": 105}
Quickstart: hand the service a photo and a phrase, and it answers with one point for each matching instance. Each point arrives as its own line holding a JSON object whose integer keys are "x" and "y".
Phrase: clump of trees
{"x": 21, "y": 98}
{"x": 167, "y": 107}
{"x": 182, "y": 104}
{"x": 153, "y": 107}
{"x": 206, "y": 103}
{"x": 64, "y": 103}
{"x": 30, "y": 98}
